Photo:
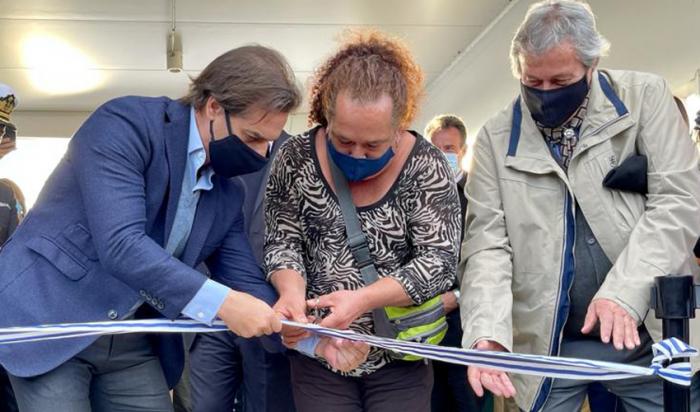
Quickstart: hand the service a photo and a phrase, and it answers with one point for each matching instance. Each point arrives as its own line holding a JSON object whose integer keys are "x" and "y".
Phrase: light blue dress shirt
{"x": 206, "y": 303}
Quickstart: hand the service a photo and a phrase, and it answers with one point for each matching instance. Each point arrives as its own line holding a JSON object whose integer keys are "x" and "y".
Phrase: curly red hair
{"x": 368, "y": 64}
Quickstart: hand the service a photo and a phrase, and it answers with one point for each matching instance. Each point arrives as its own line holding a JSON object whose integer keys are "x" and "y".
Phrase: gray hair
{"x": 548, "y": 23}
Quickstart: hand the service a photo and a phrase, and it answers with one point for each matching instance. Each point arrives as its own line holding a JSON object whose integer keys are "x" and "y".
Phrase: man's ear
{"x": 212, "y": 108}
{"x": 463, "y": 151}
{"x": 591, "y": 69}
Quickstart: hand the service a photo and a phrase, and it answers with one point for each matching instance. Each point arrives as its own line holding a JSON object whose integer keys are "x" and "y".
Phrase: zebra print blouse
{"x": 413, "y": 231}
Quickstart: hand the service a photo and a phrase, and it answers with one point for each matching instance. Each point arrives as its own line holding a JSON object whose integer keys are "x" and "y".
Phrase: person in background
{"x": 228, "y": 372}
{"x": 451, "y": 392}
{"x": 563, "y": 237}
{"x": 12, "y": 209}
{"x": 364, "y": 97}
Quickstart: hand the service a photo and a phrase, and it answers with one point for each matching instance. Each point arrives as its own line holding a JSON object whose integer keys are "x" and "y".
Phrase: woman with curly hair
{"x": 363, "y": 99}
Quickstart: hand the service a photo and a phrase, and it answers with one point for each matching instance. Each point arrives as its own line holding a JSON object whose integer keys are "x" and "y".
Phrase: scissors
{"x": 317, "y": 312}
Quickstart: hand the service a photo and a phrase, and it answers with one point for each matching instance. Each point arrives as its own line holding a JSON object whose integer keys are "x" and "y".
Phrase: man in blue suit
{"x": 224, "y": 365}
{"x": 141, "y": 197}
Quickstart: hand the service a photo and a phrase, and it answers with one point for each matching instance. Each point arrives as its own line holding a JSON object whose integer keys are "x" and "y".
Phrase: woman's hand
{"x": 291, "y": 304}
{"x": 345, "y": 306}
{"x": 342, "y": 354}
{"x": 292, "y": 307}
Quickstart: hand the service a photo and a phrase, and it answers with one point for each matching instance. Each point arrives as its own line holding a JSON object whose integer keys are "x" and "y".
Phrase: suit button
{"x": 160, "y": 306}
{"x": 112, "y": 314}
{"x": 142, "y": 293}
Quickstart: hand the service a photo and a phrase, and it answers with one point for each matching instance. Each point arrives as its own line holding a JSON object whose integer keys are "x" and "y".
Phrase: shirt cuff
{"x": 308, "y": 346}
{"x": 206, "y": 303}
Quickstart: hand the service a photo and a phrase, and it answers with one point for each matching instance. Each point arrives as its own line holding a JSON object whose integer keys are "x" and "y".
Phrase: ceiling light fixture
{"x": 174, "y": 54}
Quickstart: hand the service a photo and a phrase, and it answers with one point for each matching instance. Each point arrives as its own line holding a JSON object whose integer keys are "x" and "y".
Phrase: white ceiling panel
{"x": 339, "y": 12}
{"x": 125, "y": 41}
{"x": 646, "y": 35}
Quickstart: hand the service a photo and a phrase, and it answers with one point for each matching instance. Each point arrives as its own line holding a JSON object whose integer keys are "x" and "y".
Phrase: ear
{"x": 463, "y": 150}
{"x": 593, "y": 67}
{"x": 212, "y": 108}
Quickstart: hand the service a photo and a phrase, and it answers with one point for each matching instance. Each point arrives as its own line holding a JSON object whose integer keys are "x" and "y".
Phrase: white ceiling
{"x": 655, "y": 36}
{"x": 127, "y": 39}
{"x": 461, "y": 44}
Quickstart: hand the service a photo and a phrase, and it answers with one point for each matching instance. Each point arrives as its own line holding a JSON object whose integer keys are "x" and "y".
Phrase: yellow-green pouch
{"x": 424, "y": 323}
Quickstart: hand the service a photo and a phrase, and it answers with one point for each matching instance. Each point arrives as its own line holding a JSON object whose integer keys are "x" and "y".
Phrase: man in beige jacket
{"x": 557, "y": 262}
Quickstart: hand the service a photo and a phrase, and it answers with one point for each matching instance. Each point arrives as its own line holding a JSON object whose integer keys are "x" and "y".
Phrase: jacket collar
{"x": 607, "y": 115}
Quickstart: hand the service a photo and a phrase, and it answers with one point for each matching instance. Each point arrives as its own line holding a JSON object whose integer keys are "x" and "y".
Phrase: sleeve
{"x": 308, "y": 346}
{"x": 284, "y": 237}
{"x": 486, "y": 296}
{"x": 662, "y": 241}
{"x": 14, "y": 214}
{"x": 206, "y": 303}
{"x": 434, "y": 222}
{"x": 234, "y": 265}
{"x": 109, "y": 155}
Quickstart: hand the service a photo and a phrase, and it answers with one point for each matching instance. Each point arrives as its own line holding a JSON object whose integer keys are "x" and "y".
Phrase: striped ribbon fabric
{"x": 549, "y": 366}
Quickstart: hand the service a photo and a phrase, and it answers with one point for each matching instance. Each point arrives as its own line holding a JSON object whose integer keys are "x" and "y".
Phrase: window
{"x": 31, "y": 164}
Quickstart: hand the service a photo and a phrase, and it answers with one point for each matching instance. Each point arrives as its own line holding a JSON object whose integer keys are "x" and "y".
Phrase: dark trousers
{"x": 451, "y": 391}
{"x": 397, "y": 387}
{"x": 7, "y": 396}
{"x": 116, "y": 373}
{"x": 222, "y": 363}
{"x": 641, "y": 394}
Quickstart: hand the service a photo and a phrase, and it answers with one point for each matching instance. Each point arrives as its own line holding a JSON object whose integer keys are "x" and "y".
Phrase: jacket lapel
{"x": 203, "y": 221}
{"x": 528, "y": 151}
{"x": 176, "y": 136}
{"x": 606, "y": 115}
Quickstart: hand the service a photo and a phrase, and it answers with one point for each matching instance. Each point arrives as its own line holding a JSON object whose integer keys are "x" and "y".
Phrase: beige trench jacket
{"x": 517, "y": 266}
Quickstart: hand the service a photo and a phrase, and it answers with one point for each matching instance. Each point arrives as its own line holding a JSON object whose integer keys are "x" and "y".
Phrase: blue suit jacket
{"x": 254, "y": 185}
{"x": 92, "y": 246}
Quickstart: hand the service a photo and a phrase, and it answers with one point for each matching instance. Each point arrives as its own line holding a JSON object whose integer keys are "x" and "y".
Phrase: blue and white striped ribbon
{"x": 549, "y": 366}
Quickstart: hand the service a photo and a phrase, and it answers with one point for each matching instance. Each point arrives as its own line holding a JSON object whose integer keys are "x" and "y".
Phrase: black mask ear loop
{"x": 228, "y": 126}
{"x": 228, "y": 122}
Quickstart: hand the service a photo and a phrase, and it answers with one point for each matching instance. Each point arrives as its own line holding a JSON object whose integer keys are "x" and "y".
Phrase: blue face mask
{"x": 453, "y": 160}
{"x": 356, "y": 169}
{"x": 552, "y": 108}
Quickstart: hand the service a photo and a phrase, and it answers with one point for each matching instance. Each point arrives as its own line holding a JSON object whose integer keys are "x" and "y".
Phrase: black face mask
{"x": 552, "y": 108}
{"x": 231, "y": 157}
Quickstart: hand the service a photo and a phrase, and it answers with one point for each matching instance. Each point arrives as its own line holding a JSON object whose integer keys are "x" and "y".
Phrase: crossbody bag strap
{"x": 359, "y": 247}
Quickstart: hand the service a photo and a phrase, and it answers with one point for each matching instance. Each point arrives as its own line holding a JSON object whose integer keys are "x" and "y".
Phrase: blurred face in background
{"x": 449, "y": 140}
{"x": 7, "y": 139}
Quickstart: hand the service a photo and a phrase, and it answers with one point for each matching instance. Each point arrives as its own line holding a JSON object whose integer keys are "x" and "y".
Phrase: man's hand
{"x": 613, "y": 320}
{"x": 341, "y": 354}
{"x": 449, "y": 301}
{"x": 247, "y": 316}
{"x": 292, "y": 307}
{"x": 345, "y": 306}
{"x": 496, "y": 381}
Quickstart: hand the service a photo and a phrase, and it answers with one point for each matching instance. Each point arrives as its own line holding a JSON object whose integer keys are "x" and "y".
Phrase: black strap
{"x": 359, "y": 247}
